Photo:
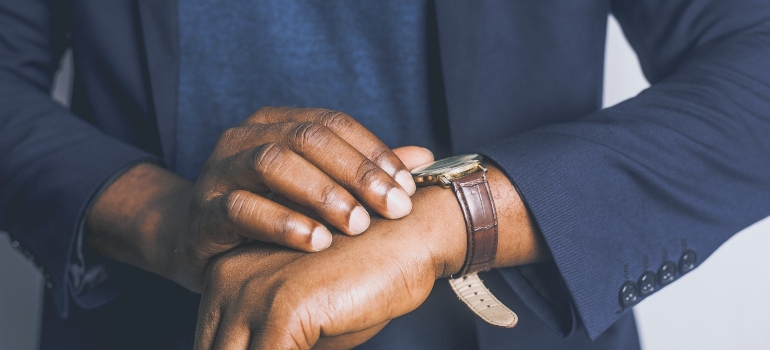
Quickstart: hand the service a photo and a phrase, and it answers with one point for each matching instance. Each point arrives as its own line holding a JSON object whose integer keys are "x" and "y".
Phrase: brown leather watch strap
{"x": 480, "y": 222}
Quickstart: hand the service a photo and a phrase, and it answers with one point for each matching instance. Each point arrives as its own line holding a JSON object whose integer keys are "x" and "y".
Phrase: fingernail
{"x": 407, "y": 183}
{"x": 321, "y": 239}
{"x": 399, "y": 203}
{"x": 359, "y": 221}
{"x": 429, "y": 151}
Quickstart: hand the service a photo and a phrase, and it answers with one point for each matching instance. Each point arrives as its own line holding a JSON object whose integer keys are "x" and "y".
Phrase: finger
{"x": 206, "y": 326}
{"x": 413, "y": 156}
{"x": 350, "y": 340}
{"x": 272, "y": 336}
{"x": 350, "y": 130}
{"x": 343, "y": 163}
{"x": 233, "y": 333}
{"x": 293, "y": 177}
{"x": 259, "y": 218}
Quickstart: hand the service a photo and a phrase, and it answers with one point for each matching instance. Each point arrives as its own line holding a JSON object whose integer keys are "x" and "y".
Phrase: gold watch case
{"x": 442, "y": 171}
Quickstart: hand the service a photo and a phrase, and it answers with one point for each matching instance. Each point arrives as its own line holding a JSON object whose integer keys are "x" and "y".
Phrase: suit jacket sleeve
{"x": 682, "y": 166}
{"x": 51, "y": 162}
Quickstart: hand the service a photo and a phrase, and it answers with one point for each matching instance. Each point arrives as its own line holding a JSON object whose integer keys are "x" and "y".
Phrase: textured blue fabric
{"x": 367, "y": 59}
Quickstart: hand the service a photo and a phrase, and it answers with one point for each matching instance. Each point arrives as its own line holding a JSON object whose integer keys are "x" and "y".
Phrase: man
{"x": 620, "y": 202}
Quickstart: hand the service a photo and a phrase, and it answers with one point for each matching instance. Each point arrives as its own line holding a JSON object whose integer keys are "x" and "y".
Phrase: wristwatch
{"x": 466, "y": 177}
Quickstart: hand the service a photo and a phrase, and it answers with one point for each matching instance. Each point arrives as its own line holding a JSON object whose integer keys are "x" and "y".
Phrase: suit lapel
{"x": 160, "y": 36}
{"x": 458, "y": 28}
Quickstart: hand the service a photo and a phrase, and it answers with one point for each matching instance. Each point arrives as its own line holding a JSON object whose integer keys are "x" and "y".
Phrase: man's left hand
{"x": 263, "y": 297}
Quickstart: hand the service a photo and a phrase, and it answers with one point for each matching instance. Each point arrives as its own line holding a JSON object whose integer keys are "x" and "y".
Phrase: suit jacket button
{"x": 666, "y": 273}
{"x": 687, "y": 261}
{"x": 628, "y": 294}
{"x": 647, "y": 284}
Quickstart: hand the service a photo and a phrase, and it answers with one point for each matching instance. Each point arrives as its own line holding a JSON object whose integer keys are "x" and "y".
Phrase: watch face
{"x": 446, "y": 165}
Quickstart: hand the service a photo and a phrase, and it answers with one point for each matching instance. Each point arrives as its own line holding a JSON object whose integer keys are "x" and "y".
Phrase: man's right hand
{"x": 320, "y": 159}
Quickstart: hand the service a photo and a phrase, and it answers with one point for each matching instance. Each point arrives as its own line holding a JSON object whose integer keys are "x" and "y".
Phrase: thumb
{"x": 413, "y": 156}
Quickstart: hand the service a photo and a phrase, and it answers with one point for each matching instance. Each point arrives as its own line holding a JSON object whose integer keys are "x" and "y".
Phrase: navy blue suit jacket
{"x": 615, "y": 192}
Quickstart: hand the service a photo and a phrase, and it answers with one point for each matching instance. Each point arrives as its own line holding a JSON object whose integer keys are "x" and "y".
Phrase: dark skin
{"x": 322, "y": 160}
{"x": 261, "y": 296}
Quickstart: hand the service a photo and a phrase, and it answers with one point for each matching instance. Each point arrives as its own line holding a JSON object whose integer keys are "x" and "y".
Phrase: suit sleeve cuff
{"x": 54, "y": 212}
{"x": 89, "y": 272}
{"x": 546, "y": 167}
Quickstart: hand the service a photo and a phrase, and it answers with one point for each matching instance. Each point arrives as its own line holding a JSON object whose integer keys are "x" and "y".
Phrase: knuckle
{"x": 231, "y": 133}
{"x": 266, "y": 157}
{"x": 366, "y": 174}
{"x": 220, "y": 271}
{"x": 264, "y": 112}
{"x": 381, "y": 155}
{"x": 283, "y": 226}
{"x": 212, "y": 314}
{"x": 235, "y": 139}
{"x": 329, "y": 197}
{"x": 286, "y": 336}
{"x": 306, "y": 135}
{"x": 236, "y": 206}
{"x": 335, "y": 120}
{"x": 271, "y": 114}
{"x": 297, "y": 330}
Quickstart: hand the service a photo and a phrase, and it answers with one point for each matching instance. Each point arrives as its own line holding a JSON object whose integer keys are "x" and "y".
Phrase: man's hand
{"x": 322, "y": 160}
{"x": 263, "y": 297}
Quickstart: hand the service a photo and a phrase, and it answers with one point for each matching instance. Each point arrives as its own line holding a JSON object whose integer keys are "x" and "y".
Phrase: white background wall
{"x": 725, "y": 303}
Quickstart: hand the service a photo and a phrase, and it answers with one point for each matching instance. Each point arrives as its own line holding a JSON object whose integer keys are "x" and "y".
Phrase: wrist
{"x": 440, "y": 219}
{"x": 519, "y": 240}
{"x": 165, "y": 223}
{"x": 475, "y": 202}
{"x": 440, "y": 216}
{"x": 130, "y": 220}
